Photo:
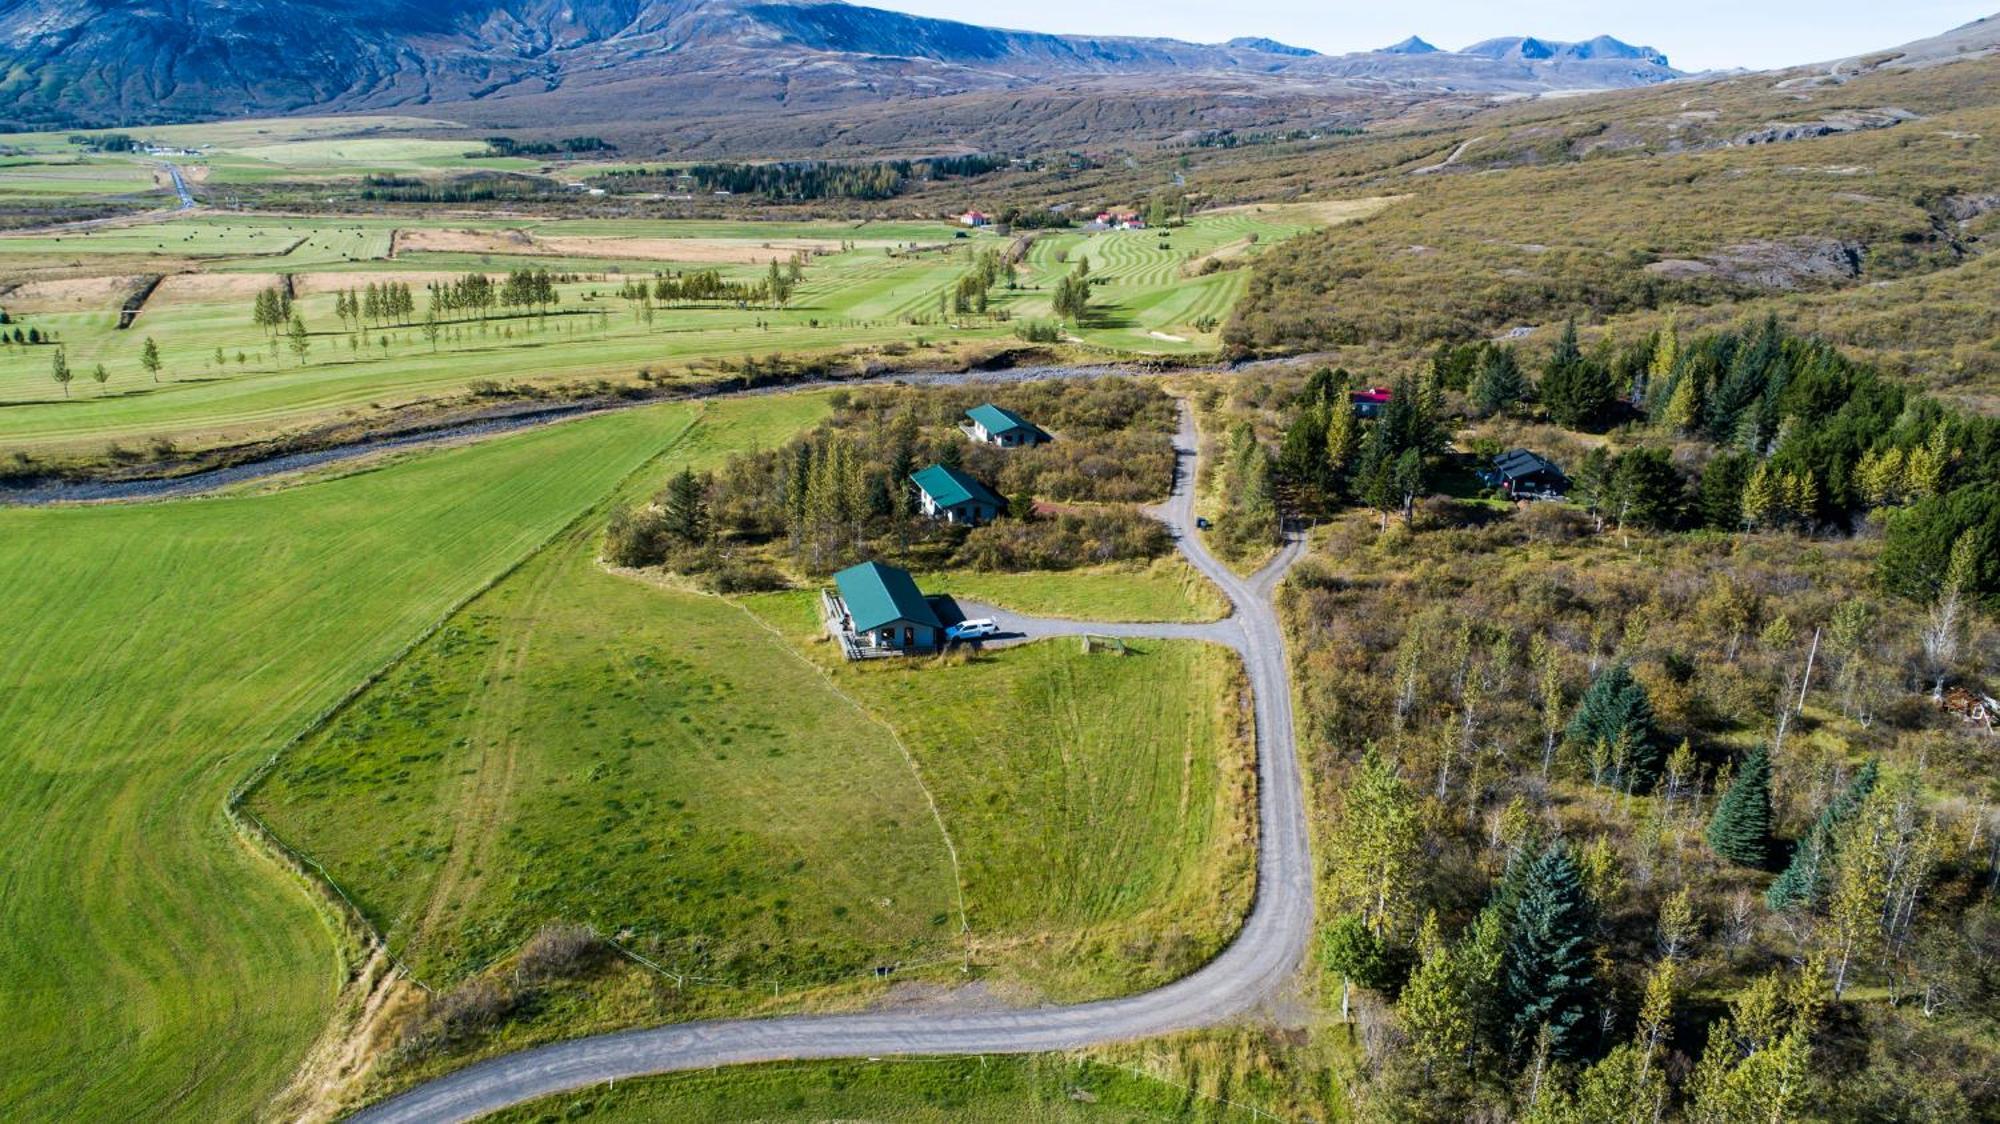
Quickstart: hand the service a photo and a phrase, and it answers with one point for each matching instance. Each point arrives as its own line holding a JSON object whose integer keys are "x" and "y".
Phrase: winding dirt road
{"x": 1264, "y": 954}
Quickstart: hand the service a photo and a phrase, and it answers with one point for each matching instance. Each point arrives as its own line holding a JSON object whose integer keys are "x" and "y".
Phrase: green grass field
{"x": 580, "y": 746}
{"x": 1001, "y": 1090}
{"x": 155, "y": 966}
{"x": 259, "y": 150}
{"x": 583, "y": 747}
{"x": 849, "y": 300}
{"x": 1166, "y": 590}
{"x": 588, "y": 730}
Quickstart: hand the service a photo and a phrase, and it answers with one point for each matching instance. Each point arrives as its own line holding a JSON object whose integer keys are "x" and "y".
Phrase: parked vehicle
{"x": 972, "y": 630}
{"x": 1201, "y": 523}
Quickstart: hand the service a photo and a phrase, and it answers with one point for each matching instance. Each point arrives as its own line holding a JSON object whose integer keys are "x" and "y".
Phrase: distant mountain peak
{"x": 1411, "y": 46}
{"x": 81, "y": 63}
{"x": 1531, "y": 49}
{"x": 1269, "y": 46}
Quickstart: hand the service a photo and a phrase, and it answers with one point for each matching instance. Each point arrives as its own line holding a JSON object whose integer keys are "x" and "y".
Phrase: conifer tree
{"x": 1302, "y": 452}
{"x": 1804, "y": 881}
{"x": 1433, "y": 1007}
{"x": 1576, "y": 389}
{"x": 1546, "y": 977}
{"x": 1762, "y": 502}
{"x": 1499, "y": 383}
{"x": 1740, "y": 829}
{"x": 264, "y": 311}
{"x": 1666, "y": 352}
{"x": 1343, "y": 437}
{"x": 685, "y": 510}
{"x": 1615, "y": 710}
{"x": 1683, "y": 409}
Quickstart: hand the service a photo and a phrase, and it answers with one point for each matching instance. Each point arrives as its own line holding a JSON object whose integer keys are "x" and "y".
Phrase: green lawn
{"x": 154, "y": 966}
{"x": 1102, "y": 806}
{"x": 1166, "y": 590}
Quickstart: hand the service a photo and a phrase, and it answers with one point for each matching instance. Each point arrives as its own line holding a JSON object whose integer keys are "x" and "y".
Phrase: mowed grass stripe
{"x": 155, "y": 967}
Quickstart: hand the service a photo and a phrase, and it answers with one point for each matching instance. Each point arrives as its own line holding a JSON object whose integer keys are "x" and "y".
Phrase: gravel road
{"x": 1255, "y": 966}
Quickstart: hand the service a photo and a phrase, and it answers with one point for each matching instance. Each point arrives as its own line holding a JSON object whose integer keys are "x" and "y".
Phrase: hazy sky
{"x": 1695, "y": 34}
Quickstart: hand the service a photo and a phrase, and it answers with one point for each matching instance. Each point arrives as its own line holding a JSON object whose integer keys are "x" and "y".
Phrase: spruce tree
{"x": 1804, "y": 880}
{"x": 1740, "y": 829}
{"x": 1616, "y": 708}
{"x": 1546, "y": 973}
{"x": 1499, "y": 384}
{"x": 685, "y": 510}
{"x": 1576, "y": 389}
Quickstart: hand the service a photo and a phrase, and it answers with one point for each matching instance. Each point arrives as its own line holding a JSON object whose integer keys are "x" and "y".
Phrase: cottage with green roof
{"x": 952, "y": 496}
{"x": 997, "y": 425}
{"x": 877, "y": 610}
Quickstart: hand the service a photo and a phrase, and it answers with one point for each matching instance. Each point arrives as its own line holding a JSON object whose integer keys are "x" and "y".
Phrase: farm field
{"x": 257, "y": 150}
{"x": 155, "y": 966}
{"x": 223, "y": 379}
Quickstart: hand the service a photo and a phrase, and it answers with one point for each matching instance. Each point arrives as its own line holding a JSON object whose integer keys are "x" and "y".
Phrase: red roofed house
{"x": 1369, "y": 403}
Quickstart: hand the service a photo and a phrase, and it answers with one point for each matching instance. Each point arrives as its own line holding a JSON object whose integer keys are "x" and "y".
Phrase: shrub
{"x": 558, "y": 951}
{"x": 457, "y": 1016}
{"x": 635, "y": 537}
{"x": 1068, "y": 540}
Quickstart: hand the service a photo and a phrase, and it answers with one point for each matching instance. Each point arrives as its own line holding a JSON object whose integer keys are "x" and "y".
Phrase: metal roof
{"x": 999, "y": 419}
{"x": 948, "y": 487}
{"x": 1516, "y": 463}
{"x": 878, "y": 595}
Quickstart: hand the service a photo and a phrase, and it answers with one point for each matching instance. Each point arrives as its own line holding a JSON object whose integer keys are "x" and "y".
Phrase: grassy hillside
{"x": 155, "y": 965}
{"x": 1625, "y": 204}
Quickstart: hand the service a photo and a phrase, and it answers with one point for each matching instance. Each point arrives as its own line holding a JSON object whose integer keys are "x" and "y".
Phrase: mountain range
{"x": 76, "y": 63}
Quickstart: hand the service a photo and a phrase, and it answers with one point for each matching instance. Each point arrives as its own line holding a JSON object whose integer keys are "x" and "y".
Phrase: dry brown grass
{"x": 1326, "y": 212}
{"x": 71, "y": 294}
{"x": 208, "y": 288}
{"x": 311, "y": 284}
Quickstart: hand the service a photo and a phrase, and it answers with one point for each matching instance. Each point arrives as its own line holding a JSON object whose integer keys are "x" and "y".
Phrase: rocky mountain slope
{"x": 69, "y": 63}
